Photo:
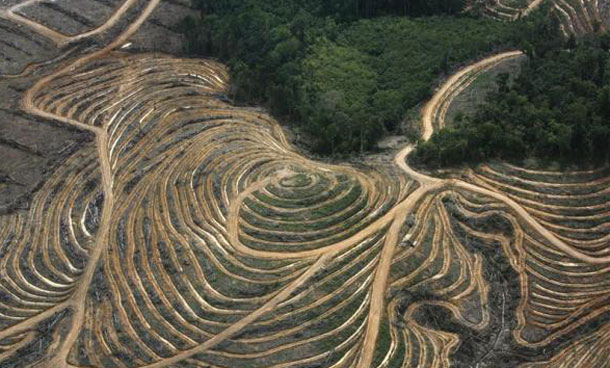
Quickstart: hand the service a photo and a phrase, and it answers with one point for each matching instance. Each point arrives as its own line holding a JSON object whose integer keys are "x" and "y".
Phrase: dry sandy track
{"x": 61, "y": 39}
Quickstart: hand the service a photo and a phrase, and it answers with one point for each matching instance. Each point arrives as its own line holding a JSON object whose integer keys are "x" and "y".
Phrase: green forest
{"x": 346, "y": 71}
{"x": 557, "y": 110}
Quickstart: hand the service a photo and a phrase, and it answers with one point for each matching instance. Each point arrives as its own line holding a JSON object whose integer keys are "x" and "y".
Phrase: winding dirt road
{"x": 77, "y": 301}
{"x": 59, "y": 38}
{"x": 429, "y": 184}
{"x": 430, "y": 113}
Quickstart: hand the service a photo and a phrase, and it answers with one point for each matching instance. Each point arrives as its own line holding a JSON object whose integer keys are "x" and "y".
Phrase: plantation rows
{"x": 176, "y": 272}
{"x": 577, "y": 17}
{"x": 559, "y": 293}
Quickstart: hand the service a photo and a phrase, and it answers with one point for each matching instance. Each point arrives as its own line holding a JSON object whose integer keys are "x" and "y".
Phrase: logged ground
{"x": 577, "y": 17}
{"x": 181, "y": 231}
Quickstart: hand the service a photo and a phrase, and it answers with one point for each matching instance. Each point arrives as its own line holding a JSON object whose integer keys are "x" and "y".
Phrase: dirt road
{"x": 429, "y": 184}
{"x": 59, "y": 38}
{"x": 77, "y": 301}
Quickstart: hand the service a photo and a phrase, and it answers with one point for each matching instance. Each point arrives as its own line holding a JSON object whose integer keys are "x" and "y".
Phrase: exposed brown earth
{"x": 577, "y": 17}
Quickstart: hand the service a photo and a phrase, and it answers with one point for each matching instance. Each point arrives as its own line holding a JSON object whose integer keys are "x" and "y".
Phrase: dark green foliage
{"x": 558, "y": 109}
{"x": 373, "y": 8}
{"x": 362, "y": 84}
{"x": 346, "y": 79}
{"x": 263, "y": 43}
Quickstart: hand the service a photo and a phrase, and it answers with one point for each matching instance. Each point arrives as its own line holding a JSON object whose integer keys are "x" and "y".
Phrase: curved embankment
{"x": 435, "y": 110}
{"x": 60, "y": 39}
{"x": 561, "y": 234}
{"x": 503, "y": 11}
{"x": 192, "y": 233}
{"x": 76, "y": 301}
{"x": 577, "y": 17}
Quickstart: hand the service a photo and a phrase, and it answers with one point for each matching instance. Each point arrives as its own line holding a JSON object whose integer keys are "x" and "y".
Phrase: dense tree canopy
{"x": 339, "y": 9}
{"x": 558, "y": 109}
{"x": 360, "y": 85}
{"x": 345, "y": 78}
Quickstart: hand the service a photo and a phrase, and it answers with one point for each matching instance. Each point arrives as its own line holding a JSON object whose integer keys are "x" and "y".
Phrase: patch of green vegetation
{"x": 291, "y": 199}
{"x": 345, "y": 71}
{"x": 467, "y": 103}
{"x": 362, "y": 84}
{"x": 558, "y": 109}
{"x": 299, "y": 180}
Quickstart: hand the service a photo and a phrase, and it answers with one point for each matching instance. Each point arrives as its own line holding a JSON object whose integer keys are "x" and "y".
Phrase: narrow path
{"x": 380, "y": 282}
{"x": 431, "y": 110}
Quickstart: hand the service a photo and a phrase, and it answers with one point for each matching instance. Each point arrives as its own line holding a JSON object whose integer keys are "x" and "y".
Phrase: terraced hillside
{"x": 35, "y": 36}
{"x": 577, "y": 17}
{"x": 187, "y": 232}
